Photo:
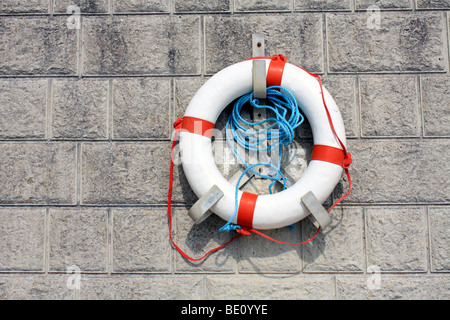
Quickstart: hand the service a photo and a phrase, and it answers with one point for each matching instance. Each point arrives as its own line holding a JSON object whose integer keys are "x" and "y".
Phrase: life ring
{"x": 269, "y": 211}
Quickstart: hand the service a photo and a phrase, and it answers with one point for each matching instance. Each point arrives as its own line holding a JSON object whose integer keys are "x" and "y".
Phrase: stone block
{"x": 389, "y": 106}
{"x": 383, "y": 4}
{"x": 433, "y": 4}
{"x": 435, "y": 106}
{"x": 228, "y": 40}
{"x": 202, "y": 6}
{"x": 141, "y": 45}
{"x": 141, "y": 109}
{"x": 323, "y": 5}
{"x": 23, "y": 118}
{"x": 37, "y": 46}
{"x": 440, "y": 236}
{"x": 86, "y": 6}
{"x": 393, "y": 287}
{"x": 30, "y": 6}
{"x": 35, "y": 287}
{"x": 397, "y": 239}
{"x": 116, "y": 173}
{"x": 401, "y": 42}
{"x": 79, "y": 109}
{"x": 259, "y": 5}
{"x": 78, "y": 237}
{"x": 398, "y": 171}
{"x": 262, "y": 287}
{"x": 21, "y": 239}
{"x": 129, "y": 6}
{"x": 154, "y": 287}
{"x": 37, "y": 173}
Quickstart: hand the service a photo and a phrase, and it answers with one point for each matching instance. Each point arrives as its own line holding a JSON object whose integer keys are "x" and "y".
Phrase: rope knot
{"x": 244, "y": 231}
{"x": 178, "y": 123}
{"x": 279, "y": 56}
{"x": 347, "y": 161}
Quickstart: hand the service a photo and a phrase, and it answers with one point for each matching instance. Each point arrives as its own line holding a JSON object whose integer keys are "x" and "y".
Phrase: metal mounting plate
{"x": 320, "y": 215}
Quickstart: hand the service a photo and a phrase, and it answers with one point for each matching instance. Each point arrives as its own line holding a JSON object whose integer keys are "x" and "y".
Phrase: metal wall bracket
{"x": 259, "y": 67}
{"x": 320, "y": 216}
{"x": 199, "y": 212}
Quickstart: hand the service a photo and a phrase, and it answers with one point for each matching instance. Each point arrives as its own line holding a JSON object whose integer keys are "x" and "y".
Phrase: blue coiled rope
{"x": 279, "y": 131}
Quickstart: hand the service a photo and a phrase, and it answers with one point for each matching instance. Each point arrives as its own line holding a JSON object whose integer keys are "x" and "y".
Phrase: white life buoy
{"x": 323, "y": 173}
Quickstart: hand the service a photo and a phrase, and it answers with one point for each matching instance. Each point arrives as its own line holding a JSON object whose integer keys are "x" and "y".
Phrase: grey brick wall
{"x": 85, "y": 132}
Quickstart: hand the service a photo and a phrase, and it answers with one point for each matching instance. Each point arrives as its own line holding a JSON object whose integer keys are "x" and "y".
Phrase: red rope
{"x": 245, "y": 231}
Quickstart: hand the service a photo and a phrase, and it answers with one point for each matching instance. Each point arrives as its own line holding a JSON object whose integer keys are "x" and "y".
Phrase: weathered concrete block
{"x": 37, "y": 46}
{"x": 141, "y": 108}
{"x": 440, "y": 236}
{"x": 116, "y": 173}
{"x": 339, "y": 248}
{"x": 141, "y": 45}
{"x": 78, "y": 237}
{"x": 389, "y": 106}
{"x": 323, "y": 5}
{"x": 86, "y": 6}
{"x": 260, "y": 287}
{"x": 402, "y": 42}
{"x": 383, "y": 4}
{"x": 397, "y": 238}
{"x": 141, "y": 5}
{"x": 433, "y": 4}
{"x": 196, "y": 240}
{"x": 79, "y": 109}
{"x": 30, "y": 6}
{"x": 200, "y": 6}
{"x": 435, "y": 106}
{"x": 35, "y": 287}
{"x": 398, "y": 171}
{"x": 153, "y": 287}
{"x": 258, "y": 5}
{"x": 37, "y": 173}
{"x": 141, "y": 240}
{"x": 21, "y": 239}
{"x": 24, "y": 117}
{"x": 228, "y": 39}
{"x": 393, "y": 287}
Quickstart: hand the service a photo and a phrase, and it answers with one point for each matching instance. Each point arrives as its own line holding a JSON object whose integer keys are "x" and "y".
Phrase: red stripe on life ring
{"x": 198, "y": 126}
{"x": 275, "y": 71}
{"x": 328, "y": 154}
{"x": 246, "y": 209}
